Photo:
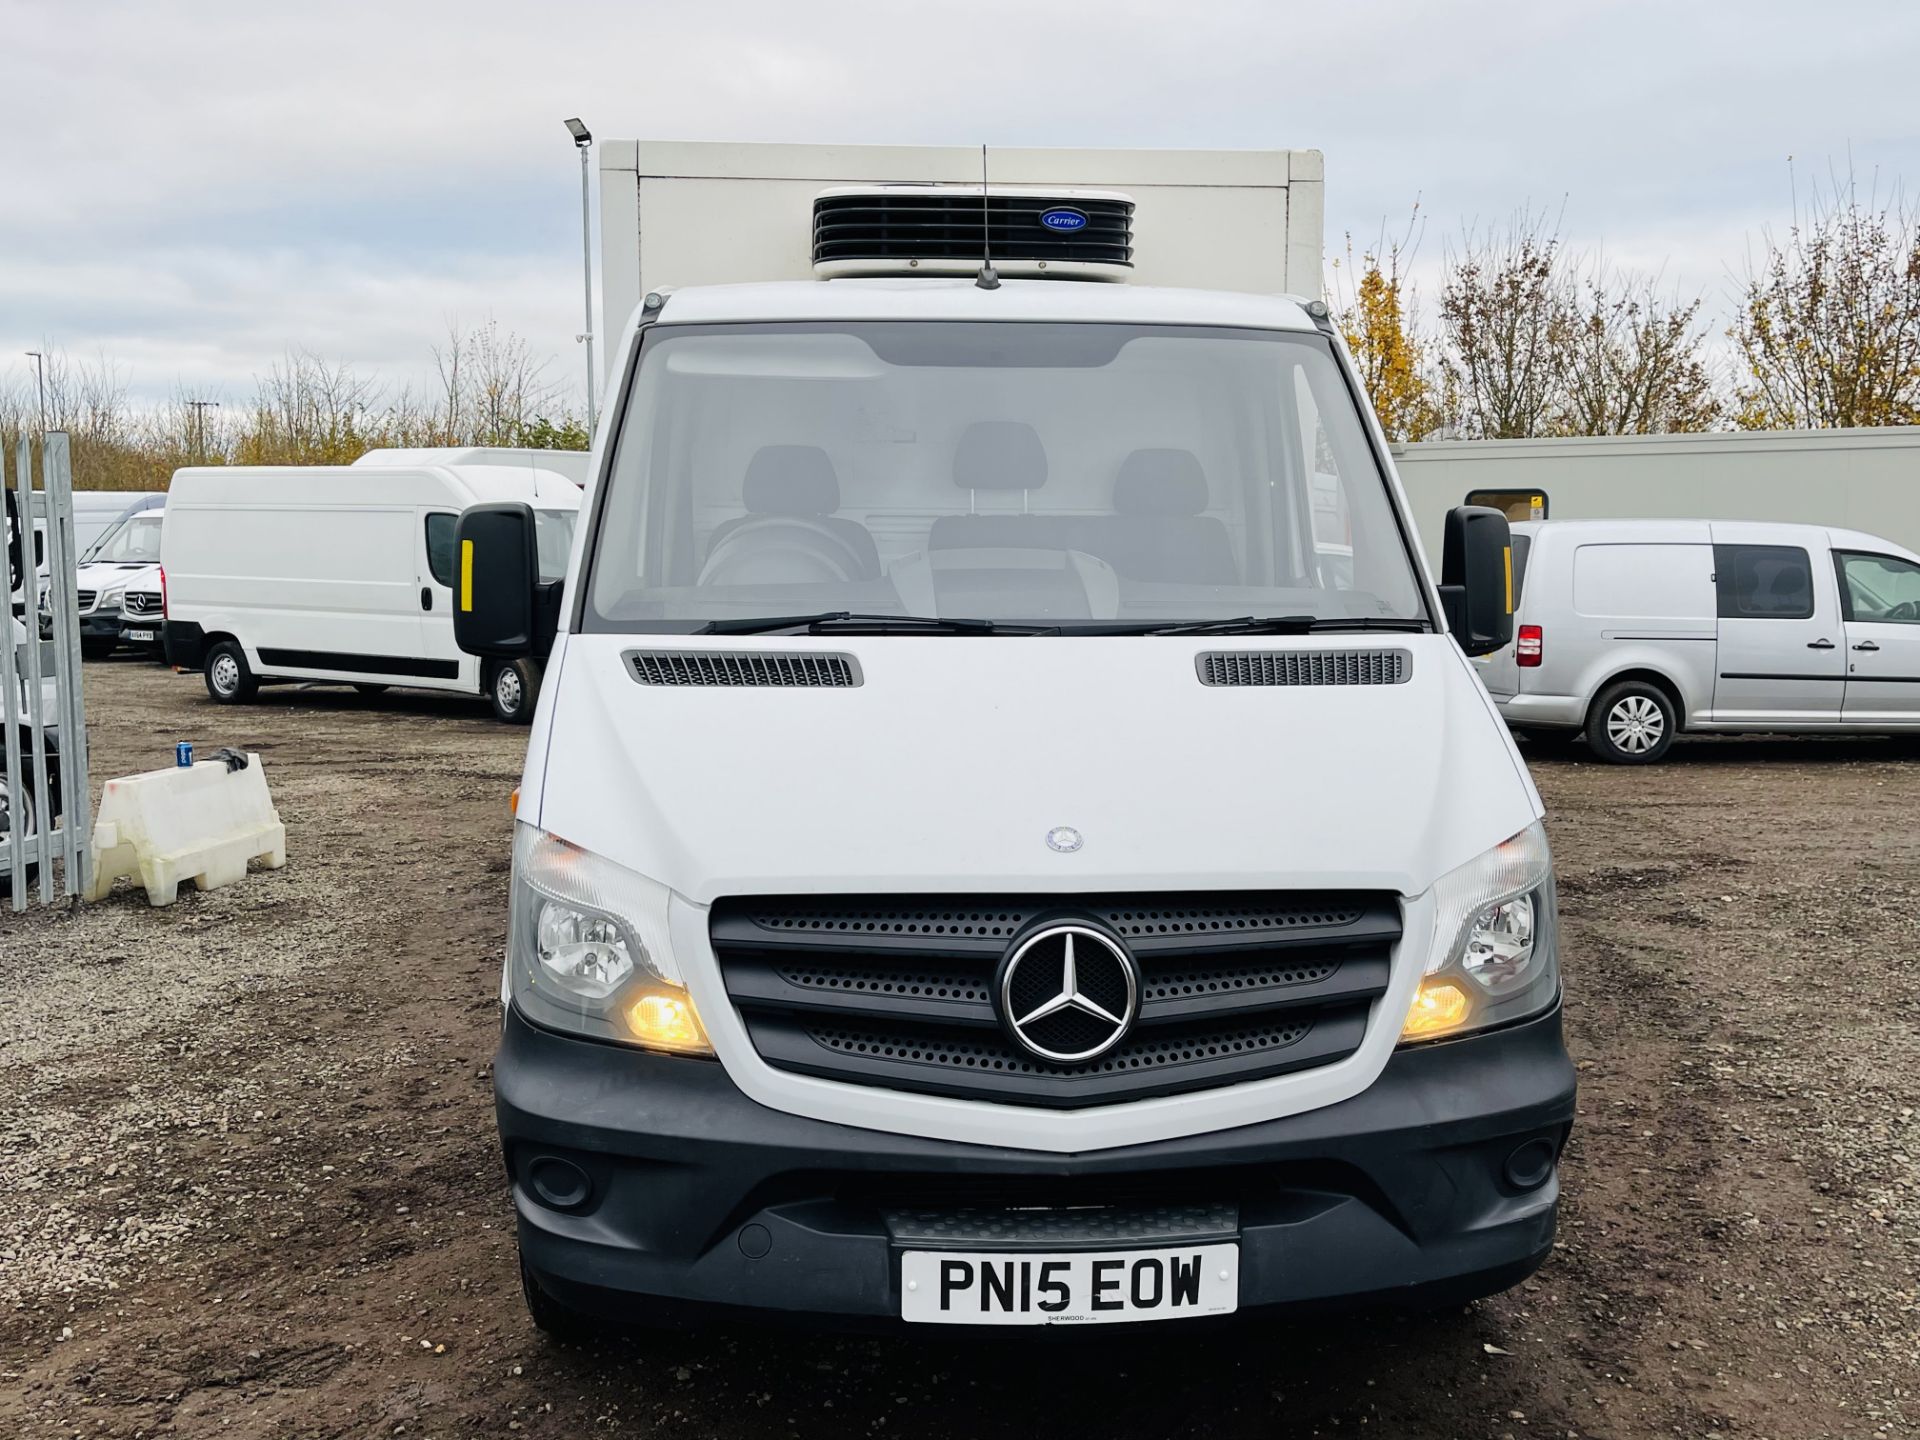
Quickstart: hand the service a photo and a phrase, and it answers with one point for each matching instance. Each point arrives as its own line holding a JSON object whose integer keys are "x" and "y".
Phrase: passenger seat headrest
{"x": 1160, "y": 482}
{"x": 791, "y": 480}
{"x": 999, "y": 455}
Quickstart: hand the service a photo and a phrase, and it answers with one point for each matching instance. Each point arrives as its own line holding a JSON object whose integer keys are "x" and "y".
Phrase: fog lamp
{"x": 667, "y": 1020}
{"x": 1438, "y": 1006}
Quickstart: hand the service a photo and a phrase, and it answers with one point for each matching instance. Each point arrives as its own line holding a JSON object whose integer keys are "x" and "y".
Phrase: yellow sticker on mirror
{"x": 466, "y": 576}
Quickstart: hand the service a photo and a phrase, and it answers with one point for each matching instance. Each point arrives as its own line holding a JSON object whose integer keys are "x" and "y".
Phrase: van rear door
{"x": 1782, "y": 653}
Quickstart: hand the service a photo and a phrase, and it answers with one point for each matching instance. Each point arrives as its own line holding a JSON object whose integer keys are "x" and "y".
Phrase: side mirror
{"x": 12, "y": 527}
{"x": 1476, "y": 579}
{"x": 496, "y": 574}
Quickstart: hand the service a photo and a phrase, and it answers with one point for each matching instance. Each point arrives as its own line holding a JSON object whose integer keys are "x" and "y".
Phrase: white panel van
{"x": 1632, "y": 631}
{"x": 124, "y": 558}
{"x": 345, "y": 573}
{"x": 1010, "y": 835}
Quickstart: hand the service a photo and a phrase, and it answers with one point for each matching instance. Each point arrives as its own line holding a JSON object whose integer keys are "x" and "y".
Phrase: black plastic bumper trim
{"x": 185, "y": 644}
{"x": 363, "y": 664}
{"x": 1399, "y": 1194}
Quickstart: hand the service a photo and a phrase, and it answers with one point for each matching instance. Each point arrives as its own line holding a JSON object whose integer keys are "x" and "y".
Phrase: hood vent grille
{"x": 1304, "y": 667}
{"x": 816, "y": 671}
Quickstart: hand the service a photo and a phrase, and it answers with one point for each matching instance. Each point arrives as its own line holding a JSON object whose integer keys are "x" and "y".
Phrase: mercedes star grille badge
{"x": 1068, "y": 994}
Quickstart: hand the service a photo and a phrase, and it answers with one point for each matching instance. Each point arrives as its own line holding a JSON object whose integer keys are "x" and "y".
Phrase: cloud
{"x": 194, "y": 186}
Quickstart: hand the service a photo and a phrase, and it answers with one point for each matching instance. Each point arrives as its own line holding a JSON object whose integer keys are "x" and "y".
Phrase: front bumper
{"x": 696, "y": 1198}
{"x": 101, "y": 625}
{"x": 152, "y": 626}
{"x": 1549, "y": 712}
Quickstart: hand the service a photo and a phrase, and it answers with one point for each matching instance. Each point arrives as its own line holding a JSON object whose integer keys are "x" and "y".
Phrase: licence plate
{"x": 944, "y": 1287}
{"x": 146, "y": 635}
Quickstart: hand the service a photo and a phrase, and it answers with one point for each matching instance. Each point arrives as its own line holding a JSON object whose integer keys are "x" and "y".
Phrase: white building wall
{"x": 706, "y": 213}
{"x": 1867, "y": 479}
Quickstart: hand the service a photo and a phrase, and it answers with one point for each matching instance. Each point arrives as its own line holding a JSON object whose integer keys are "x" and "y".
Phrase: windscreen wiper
{"x": 1289, "y": 625}
{"x": 843, "y": 622}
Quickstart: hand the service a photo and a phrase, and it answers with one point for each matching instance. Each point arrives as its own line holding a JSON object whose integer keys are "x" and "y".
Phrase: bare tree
{"x": 1829, "y": 327}
{"x": 191, "y": 428}
{"x": 1501, "y": 304}
{"x": 1629, "y": 360}
{"x": 306, "y": 411}
{"x": 88, "y": 400}
{"x": 492, "y": 390}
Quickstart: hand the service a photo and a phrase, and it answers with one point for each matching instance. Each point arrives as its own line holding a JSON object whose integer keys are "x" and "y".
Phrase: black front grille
{"x": 141, "y": 603}
{"x": 897, "y": 991}
{"x": 989, "y": 1227}
{"x": 1305, "y": 667}
{"x": 936, "y": 225}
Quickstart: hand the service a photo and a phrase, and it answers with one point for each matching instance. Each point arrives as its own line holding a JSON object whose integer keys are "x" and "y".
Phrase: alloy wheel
{"x": 1635, "y": 725}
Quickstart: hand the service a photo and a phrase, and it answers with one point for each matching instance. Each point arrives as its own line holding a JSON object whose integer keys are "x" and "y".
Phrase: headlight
{"x": 110, "y": 599}
{"x": 1495, "y": 954}
{"x": 588, "y": 952}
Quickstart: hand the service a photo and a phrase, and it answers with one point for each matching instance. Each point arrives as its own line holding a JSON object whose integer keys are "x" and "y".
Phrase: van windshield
{"x": 1113, "y": 475}
{"x": 134, "y": 541}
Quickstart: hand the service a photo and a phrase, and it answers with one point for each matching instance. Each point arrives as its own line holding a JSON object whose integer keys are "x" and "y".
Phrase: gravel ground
{"x": 248, "y": 1183}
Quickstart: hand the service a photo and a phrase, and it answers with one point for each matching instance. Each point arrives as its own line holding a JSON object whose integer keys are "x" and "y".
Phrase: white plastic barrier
{"x": 200, "y": 822}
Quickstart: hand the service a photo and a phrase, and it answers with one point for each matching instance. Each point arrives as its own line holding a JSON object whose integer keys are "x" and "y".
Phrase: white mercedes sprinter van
{"x": 346, "y": 573}
{"x": 125, "y": 557}
{"x": 986, "y": 855}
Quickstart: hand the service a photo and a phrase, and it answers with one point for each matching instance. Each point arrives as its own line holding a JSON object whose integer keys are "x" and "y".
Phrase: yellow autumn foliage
{"x": 1386, "y": 353}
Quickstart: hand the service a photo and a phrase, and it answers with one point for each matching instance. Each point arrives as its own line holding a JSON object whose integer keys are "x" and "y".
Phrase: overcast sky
{"x": 191, "y": 187}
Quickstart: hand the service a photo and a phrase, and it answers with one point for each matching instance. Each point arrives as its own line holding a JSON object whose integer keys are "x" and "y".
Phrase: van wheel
{"x": 230, "y": 680}
{"x": 514, "y": 689}
{"x": 549, "y": 1316}
{"x": 27, "y": 827}
{"x": 1632, "y": 723}
{"x": 10, "y": 831}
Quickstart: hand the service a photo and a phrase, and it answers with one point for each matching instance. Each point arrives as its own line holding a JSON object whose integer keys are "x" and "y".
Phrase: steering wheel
{"x": 816, "y": 542}
{"x": 1905, "y": 610}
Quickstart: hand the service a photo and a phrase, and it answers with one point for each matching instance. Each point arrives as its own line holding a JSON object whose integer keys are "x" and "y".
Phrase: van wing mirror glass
{"x": 14, "y": 573}
{"x": 496, "y": 573}
{"x": 1476, "y": 578}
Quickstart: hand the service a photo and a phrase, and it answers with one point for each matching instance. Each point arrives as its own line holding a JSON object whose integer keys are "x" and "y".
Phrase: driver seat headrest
{"x": 796, "y": 482}
{"x": 1160, "y": 482}
{"x": 790, "y": 480}
{"x": 999, "y": 455}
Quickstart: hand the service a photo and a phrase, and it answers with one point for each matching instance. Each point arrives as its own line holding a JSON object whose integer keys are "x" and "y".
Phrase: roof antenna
{"x": 987, "y": 278}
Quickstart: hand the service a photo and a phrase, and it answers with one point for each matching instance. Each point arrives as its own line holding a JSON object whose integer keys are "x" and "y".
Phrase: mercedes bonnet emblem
{"x": 1063, "y": 838}
{"x": 1068, "y": 994}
